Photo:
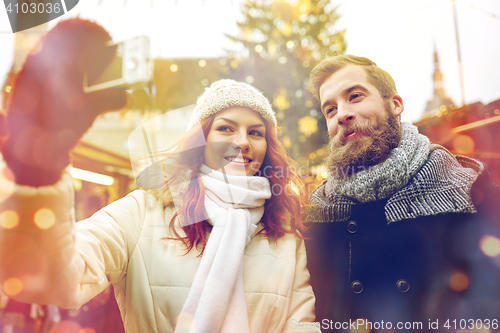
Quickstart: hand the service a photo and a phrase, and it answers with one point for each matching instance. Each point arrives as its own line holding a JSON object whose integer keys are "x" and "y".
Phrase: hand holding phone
{"x": 49, "y": 110}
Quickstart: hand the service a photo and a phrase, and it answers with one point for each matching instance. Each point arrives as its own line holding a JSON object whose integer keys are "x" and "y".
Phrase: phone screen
{"x": 112, "y": 72}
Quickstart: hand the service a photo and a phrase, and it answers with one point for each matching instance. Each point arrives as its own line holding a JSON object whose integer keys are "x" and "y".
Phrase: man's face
{"x": 363, "y": 127}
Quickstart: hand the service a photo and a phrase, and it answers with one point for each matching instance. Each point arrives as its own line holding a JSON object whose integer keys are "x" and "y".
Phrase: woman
{"x": 240, "y": 130}
{"x": 226, "y": 257}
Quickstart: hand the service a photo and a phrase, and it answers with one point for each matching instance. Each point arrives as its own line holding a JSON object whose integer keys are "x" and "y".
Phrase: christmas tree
{"x": 283, "y": 40}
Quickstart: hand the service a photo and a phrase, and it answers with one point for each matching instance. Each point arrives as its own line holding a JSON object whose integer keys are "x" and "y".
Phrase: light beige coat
{"x": 67, "y": 264}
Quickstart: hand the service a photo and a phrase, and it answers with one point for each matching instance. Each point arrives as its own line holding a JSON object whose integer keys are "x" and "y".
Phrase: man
{"x": 400, "y": 229}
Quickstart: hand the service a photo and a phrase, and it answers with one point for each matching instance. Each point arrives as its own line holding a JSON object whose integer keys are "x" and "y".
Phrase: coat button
{"x": 352, "y": 227}
{"x": 356, "y": 287}
{"x": 403, "y": 285}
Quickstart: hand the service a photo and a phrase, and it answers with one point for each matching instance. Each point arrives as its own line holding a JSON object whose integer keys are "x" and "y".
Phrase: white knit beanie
{"x": 226, "y": 93}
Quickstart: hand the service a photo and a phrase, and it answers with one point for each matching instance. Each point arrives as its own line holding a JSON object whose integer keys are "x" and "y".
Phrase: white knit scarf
{"x": 384, "y": 179}
{"x": 216, "y": 300}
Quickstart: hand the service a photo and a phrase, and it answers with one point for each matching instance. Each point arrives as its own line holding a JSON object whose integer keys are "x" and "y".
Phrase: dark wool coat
{"x": 413, "y": 270}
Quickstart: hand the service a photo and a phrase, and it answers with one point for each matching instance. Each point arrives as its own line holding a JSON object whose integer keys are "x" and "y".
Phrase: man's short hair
{"x": 375, "y": 75}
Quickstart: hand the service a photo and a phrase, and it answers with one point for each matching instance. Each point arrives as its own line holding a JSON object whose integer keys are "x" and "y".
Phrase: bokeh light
{"x": 12, "y": 287}
{"x": 490, "y": 245}
{"x": 44, "y": 218}
{"x": 9, "y": 219}
{"x": 308, "y": 125}
{"x": 287, "y": 142}
{"x": 459, "y": 281}
{"x": 464, "y": 144}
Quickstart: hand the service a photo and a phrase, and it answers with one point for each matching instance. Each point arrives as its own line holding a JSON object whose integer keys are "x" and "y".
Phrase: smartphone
{"x": 131, "y": 67}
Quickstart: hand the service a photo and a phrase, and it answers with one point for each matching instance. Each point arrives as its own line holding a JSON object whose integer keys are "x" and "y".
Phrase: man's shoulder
{"x": 446, "y": 183}
{"x": 482, "y": 179}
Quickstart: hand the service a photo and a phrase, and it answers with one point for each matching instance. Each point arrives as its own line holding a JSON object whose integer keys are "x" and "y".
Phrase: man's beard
{"x": 372, "y": 147}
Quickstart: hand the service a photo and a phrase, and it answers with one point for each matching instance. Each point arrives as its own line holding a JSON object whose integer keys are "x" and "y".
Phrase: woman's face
{"x": 236, "y": 143}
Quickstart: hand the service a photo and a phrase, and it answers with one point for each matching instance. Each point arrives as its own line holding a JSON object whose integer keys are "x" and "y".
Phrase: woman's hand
{"x": 49, "y": 111}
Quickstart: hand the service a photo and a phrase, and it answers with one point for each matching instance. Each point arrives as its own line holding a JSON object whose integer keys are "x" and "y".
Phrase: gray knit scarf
{"x": 418, "y": 179}
{"x": 382, "y": 180}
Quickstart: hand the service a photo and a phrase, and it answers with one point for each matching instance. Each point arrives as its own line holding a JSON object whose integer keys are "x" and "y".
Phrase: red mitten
{"x": 48, "y": 111}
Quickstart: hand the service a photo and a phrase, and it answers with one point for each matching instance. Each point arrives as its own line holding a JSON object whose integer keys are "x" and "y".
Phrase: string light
{"x": 91, "y": 177}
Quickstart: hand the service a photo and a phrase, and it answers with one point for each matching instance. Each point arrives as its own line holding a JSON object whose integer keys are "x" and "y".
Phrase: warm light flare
{"x": 459, "y": 281}
{"x": 490, "y": 245}
{"x": 44, "y": 218}
{"x": 92, "y": 177}
{"x": 9, "y": 219}
{"x": 464, "y": 144}
{"x": 12, "y": 287}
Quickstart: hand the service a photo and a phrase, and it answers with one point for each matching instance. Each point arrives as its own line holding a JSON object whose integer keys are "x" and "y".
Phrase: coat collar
{"x": 442, "y": 185}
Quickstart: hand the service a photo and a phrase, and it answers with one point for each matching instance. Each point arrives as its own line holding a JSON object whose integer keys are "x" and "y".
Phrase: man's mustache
{"x": 364, "y": 128}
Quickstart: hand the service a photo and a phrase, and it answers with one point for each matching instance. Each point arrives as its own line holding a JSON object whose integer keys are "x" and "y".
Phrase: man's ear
{"x": 398, "y": 105}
